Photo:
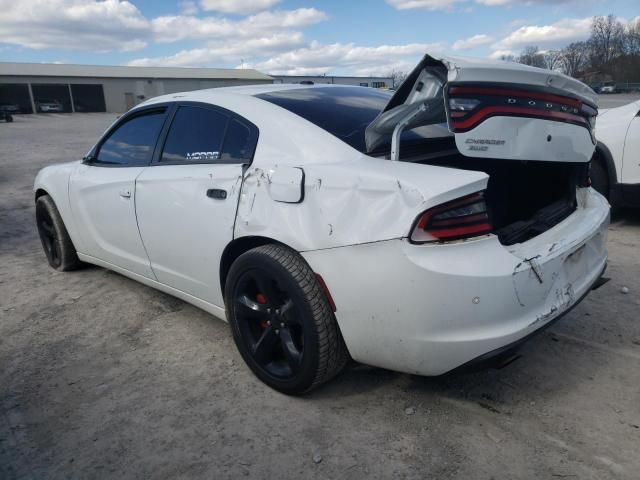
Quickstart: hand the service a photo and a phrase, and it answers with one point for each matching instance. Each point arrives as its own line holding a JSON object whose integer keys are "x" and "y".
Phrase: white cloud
{"x": 499, "y": 54}
{"x": 188, "y": 7}
{"x": 555, "y": 35}
{"x": 237, "y": 6}
{"x": 319, "y": 58}
{"x": 226, "y": 52}
{"x": 73, "y": 24}
{"x": 422, "y": 4}
{"x": 180, "y": 27}
{"x": 501, "y": 3}
{"x": 472, "y": 42}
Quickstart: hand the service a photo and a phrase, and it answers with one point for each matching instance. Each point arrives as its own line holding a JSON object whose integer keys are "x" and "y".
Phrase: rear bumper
{"x": 428, "y": 309}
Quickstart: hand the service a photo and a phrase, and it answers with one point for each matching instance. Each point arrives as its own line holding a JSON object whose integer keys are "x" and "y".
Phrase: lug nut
{"x": 277, "y": 332}
{"x": 282, "y": 325}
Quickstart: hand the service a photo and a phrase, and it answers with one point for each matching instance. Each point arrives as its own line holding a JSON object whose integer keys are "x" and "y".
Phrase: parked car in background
{"x": 434, "y": 228}
{"x": 11, "y": 108}
{"x": 615, "y": 169}
{"x": 47, "y": 106}
{"x": 608, "y": 87}
{"x": 6, "y": 116}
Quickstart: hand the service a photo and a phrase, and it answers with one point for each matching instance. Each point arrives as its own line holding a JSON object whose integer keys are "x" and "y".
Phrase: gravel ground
{"x": 103, "y": 377}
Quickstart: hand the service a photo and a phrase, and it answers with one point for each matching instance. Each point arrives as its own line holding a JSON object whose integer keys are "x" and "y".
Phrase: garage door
{"x": 88, "y": 98}
{"x": 51, "y": 97}
{"x": 15, "y": 96}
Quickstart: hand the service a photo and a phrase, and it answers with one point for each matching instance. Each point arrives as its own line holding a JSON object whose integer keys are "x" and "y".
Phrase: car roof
{"x": 209, "y": 94}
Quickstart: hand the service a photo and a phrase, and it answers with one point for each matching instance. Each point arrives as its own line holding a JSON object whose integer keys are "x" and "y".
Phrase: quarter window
{"x": 132, "y": 142}
{"x": 195, "y": 136}
{"x": 238, "y": 143}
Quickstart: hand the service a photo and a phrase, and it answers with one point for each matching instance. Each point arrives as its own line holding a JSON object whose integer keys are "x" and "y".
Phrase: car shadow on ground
{"x": 625, "y": 216}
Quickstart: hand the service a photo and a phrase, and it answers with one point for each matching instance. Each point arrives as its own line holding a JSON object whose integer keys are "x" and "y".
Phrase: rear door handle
{"x": 125, "y": 193}
{"x": 217, "y": 193}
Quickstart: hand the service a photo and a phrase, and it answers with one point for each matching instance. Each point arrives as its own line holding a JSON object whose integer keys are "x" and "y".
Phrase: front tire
{"x": 57, "y": 245}
{"x": 281, "y": 320}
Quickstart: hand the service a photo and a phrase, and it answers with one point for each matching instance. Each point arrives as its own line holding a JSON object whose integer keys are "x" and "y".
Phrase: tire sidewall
{"x": 306, "y": 375}
{"x": 44, "y": 207}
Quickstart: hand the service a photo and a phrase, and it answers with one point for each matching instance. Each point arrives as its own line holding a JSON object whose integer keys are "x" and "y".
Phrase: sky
{"x": 296, "y": 37}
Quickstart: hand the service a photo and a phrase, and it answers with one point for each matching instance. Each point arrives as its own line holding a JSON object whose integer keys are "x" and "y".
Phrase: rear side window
{"x": 238, "y": 142}
{"x": 195, "y": 136}
{"x": 344, "y": 112}
{"x": 132, "y": 142}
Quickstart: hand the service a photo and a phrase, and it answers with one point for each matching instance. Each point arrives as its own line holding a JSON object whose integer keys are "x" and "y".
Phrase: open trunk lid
{"x": 499, "y": 110}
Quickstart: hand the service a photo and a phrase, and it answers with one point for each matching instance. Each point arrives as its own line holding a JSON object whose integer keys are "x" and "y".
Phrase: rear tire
{"x": 599, "y": 178}
{"x": 281, "y": 320}
{"x": 57, "y": 245}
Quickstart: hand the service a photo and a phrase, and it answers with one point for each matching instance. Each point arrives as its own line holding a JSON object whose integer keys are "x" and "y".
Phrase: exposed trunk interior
{"x": 524, "y": 198}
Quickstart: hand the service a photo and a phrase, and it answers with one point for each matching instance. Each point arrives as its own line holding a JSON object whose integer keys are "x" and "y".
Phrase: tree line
{"x": 612, "y": 52}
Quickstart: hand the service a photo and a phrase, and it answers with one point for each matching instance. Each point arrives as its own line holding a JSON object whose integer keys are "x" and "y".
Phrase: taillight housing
{"x": 464, "y": 217}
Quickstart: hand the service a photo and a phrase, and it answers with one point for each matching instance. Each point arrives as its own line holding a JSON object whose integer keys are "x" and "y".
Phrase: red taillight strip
{"x": 514, "y": 93}
{"x": 462, "y": 230}
{"x": 466, "y": 219}
{"x": 481, "y": 114}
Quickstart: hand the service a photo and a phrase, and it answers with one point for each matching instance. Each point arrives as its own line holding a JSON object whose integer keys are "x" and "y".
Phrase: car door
{"x": 186, "y": 200}
{"x": 102, "y": 190}
{"x": 631, "y": 157}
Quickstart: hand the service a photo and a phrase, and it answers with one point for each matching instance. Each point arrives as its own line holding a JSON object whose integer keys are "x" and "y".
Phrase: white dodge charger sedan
{"x": 420, "y": 232}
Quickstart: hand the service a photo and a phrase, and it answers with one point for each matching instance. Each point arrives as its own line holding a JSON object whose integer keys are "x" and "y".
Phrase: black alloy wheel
{"x": 269, "y": 324}
{"x": 281, "y": 320}
{"x": 56, "y": 243}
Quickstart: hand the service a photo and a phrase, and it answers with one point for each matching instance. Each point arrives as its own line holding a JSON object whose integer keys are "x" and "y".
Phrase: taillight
{"x": 461, "y": 218}
{"x": 470, "y": 105}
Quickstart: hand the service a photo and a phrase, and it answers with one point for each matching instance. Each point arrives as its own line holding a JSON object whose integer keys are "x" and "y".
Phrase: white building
{"x": 98, "y": 88}
{"x": 375, "y": 82}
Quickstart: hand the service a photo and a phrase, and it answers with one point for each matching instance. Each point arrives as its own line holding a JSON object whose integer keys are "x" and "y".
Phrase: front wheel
{"x": 281, "y": 320}
{"x": 56, "y": 242}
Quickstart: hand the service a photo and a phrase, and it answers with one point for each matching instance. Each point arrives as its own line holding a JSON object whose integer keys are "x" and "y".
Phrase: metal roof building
{"x": 375, "y": 82}
{"x": 44, "y": 87}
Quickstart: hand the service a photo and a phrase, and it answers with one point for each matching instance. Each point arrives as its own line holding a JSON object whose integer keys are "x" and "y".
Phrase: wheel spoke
{"x": 291, "y": 352}
{"x": 47, "y": 228}
{"x": 251, "y": 307}
{"x": 266, "y": 287}
{"x": 263, "y": 348}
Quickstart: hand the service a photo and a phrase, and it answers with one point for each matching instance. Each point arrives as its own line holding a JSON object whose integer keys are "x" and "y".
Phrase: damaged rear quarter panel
{"x": 360, "y": 200}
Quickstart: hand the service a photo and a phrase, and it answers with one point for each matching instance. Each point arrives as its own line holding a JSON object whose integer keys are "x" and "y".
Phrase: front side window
{"x": 195, "y": 136}
{"x": 132, "y": 143}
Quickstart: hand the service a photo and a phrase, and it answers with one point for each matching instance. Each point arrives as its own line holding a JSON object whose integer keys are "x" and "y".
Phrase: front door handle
{"x": 125, "y": 193}
{"x": 217, "y": 193}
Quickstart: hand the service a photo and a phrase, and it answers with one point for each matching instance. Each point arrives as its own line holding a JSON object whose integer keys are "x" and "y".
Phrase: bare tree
{"x": 632, "y": 38}
{"x": 508, "y": 58}
{"x": 552, "y": 59}
{"x": 575, "y": 58}
{"x": 532, "y": 56}
{"x": 398, "y": 76}
{"x": 607, "y": 39}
